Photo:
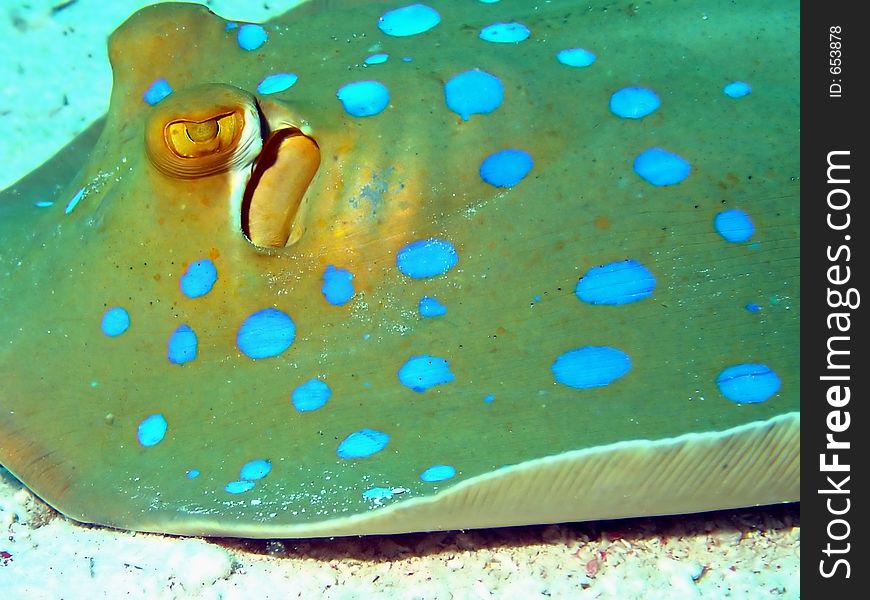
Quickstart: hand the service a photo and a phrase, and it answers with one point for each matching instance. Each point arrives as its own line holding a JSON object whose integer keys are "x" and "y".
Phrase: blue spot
{"x": 421, "y": 373}
{"x": 182, "y": 345}
{"x": 151, "y": 430}
{"x": 199, "y": 278}
{"x": 426, "y": 258}
{"x": 536, "y": 298}
{"x": 231, "y": 25}
{"x": 279, "y": 82}
{"x": 376, "y": 59}
{"x": 266, "y": 333}
{"x": 621, "y": 282}
{"x": 409, "y": 20}
{"x": 251, "y": 36}
{"x": 378, "y": 493}
{"x": 506, "y": 168}
{"x": 505, "y": 33}
{"x": 430, "y": 307}
{"x": 591, "y": 366}
{"x": 734, "y": 225}
{"x": 575, "y": 57}
{"x": 634, "y": 102}
{"x": 239, "y": 487}
{"x": 753, "y": 308}
{"x": 748, "y": 383}
{"x": 75, "y": 201}
{"x": 311, "y": 395}
{"x": 489, "y": 398}
{"x": 438, "y": 473}
{"x": 337, "y": 287}
{"x": 362, "y": 443}
{"x": 115, "y": 321}
{"x": 473, "y": 92}
{"x": 255, "y": 469}
{"x": 157, "y": 91}
{"x": 660, "y": 167}
{"x": 192, "y": 473}
{"x": 737, "y": 89}
{"x": 364, "y": 98}
{"x": 44, "y": 203}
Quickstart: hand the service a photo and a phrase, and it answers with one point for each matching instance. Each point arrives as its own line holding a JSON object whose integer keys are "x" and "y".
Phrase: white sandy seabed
{"x": 55, "y": 81}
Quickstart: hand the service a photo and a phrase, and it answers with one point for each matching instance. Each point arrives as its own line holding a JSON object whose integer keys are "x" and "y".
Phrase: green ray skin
{"x": 71, "y": 398}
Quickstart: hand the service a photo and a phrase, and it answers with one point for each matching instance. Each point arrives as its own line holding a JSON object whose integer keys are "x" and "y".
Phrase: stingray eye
{"x": 195, "y": 139}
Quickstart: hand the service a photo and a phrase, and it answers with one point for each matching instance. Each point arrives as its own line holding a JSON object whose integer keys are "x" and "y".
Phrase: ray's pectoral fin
{"x": 219, "y": 130}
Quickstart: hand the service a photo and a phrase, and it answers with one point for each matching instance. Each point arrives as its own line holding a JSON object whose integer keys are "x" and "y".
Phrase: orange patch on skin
{"x": 214, "y": 253}
{"x": 602, "y": 222}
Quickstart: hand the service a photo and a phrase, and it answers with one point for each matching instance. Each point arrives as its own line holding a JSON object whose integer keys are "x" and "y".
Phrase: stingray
{"x": 375, "y": 267}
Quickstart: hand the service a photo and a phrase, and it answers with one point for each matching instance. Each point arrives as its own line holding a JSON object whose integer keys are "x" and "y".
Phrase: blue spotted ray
{"x": 376, "y": 268}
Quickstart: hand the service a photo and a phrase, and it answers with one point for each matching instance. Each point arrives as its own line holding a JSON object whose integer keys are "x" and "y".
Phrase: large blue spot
{"x": 255, "y": 469}
{"x": 266, "y": 333}
{"x": 438, "y": 473}
{"x": 337, "y": 287}
{"x": 199, "y": 278}
{"x": 70, "y": 206}
{"x": 430, "y": 307}
{"x": 591, "y": 366}
{"x": 115, "y": 321}
{"x": 362, "y": 443}
{"x": 506, "y": 168}
{"x": 473, "y": 92}
{"x": 364, "y": 98}
{"x": 377, "y": 59}
{"x": 575, "y": 57}
{"x": 748, "y": 383}
{"x": 182, "y": 345}
{"x": 251, "y": 36}
{"x": 192, "y": 473}
{"x": 660, "y": 167}
{"x": 616, "y": 283}
{"x": 737, "y": 89}
{"x": 426, "y": 258}
{"x": 279, "y": 82}
{"x": 157, "y": 91}
{"x": 421, "y": 373}
{"x": 151, "y": 430}
{"x": 311, "y": 395}
{"x": 239, "y": 487}
{"x": 634, "y": 102}
{"x": 505, "y": 33}
{"x": 409, "y": 20}
{"x": 734, "y": 225}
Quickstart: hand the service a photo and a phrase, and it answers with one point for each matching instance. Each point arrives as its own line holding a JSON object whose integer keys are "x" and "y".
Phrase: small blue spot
{"x": 438, "y": 473}
{"x": 473, "y": 92}
{"x": 311, "y": 395}
{"x": 737, "y": 89}
{"x": 255, "y": 469}
{"x": 251, "y": 36}
{"x": 430, "y": 307}
{"x": 364, "y": 98}
{"x": 199, "y": 278}
{"x": 192, "y": 473}
{"x": 231, "y": 25}
{"x": 115, "y": 321}
{"x": 536, "y": 298}
{"x": 407, "y": 59}
{"x": 753, "y": 308}
{"x": 362, "y": 443}
{"x": 660, "y": 167}
{"x": 505, "y": 33}
{"x": 151, "y": 430}
{"x": 376, "y": 59}
{"x": 634, "y": 102}
{"x": 616, "y": 283}
{"x": 421, "y": 373}
{"x": 278, "y": 82}
{"x": 44, "y": 203}
{"x": 75, "y": 201}
{"x": 575, "y": 57}
{"x": 489, "y": 399}
{"x": 426, "y": 258}
{"x": 337, "y": 287}
{"x": 409, "y": 20}
{"x": 748, "y": 383}
{"x": 591, "y": 366}
{"x": 734, "y": 225}
{"x": 266, "y": 333}
{"x": 157, "y": 91}
{"x": 239, "y": 487}
{"x": 182, "y": 345}
{"x": 378, "y": 493}
{"x": 506, "y": 168}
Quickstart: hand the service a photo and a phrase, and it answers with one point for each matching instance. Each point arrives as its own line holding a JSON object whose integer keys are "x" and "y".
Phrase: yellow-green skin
{"x": 71, "y": 398}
